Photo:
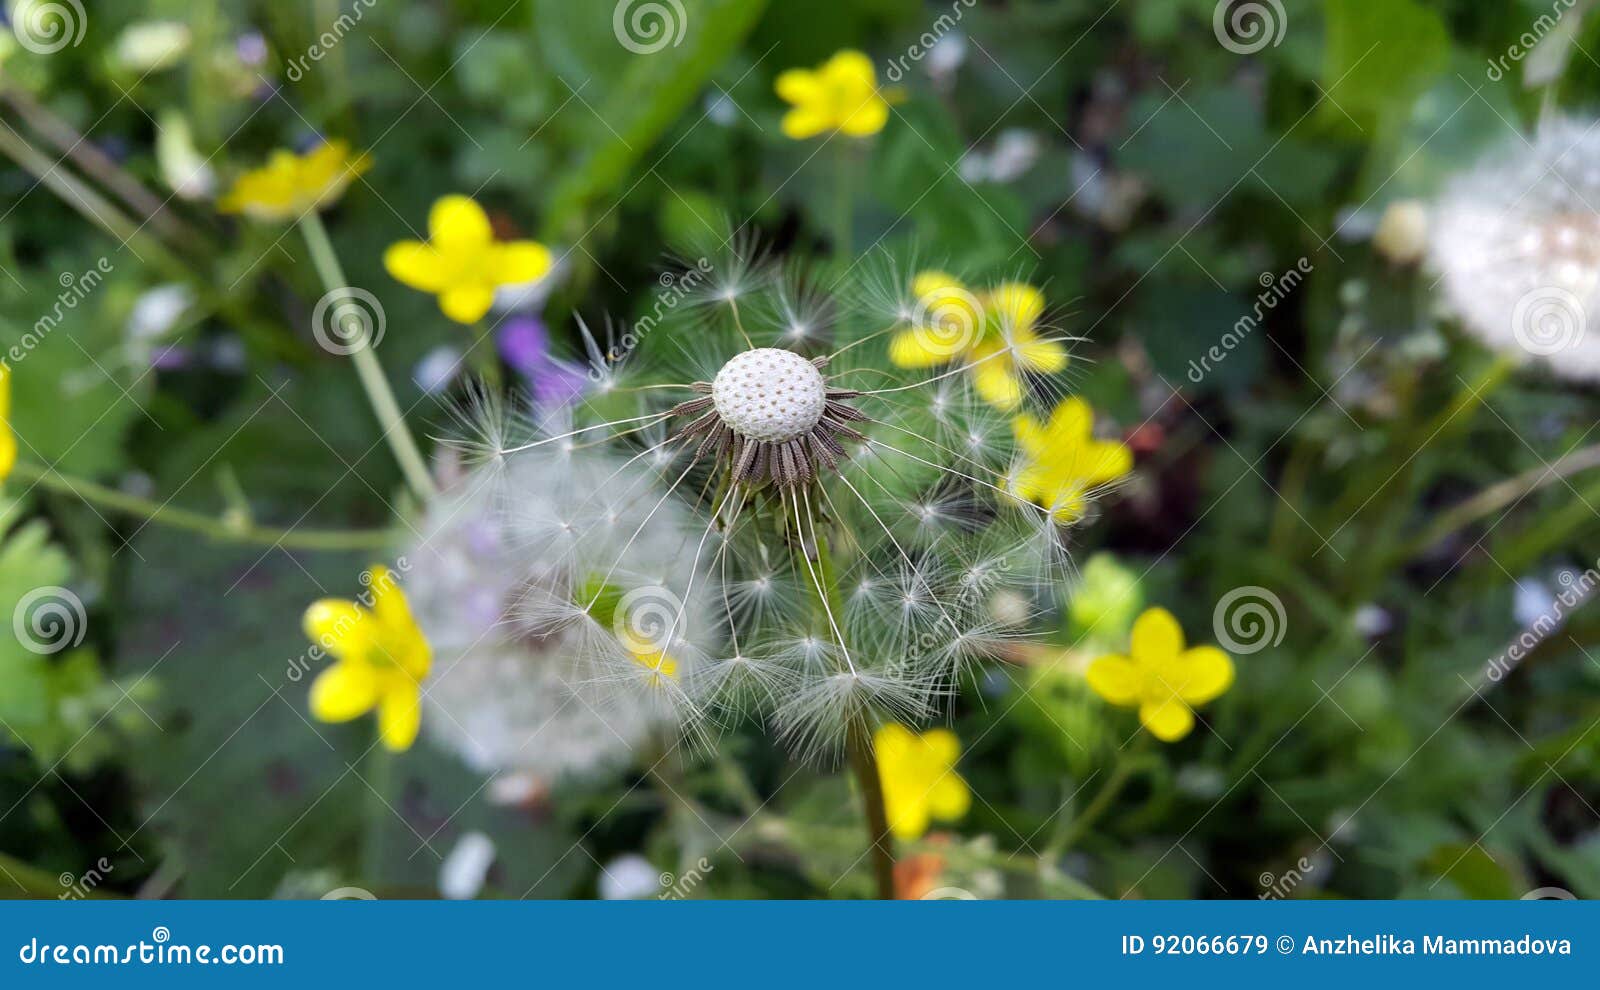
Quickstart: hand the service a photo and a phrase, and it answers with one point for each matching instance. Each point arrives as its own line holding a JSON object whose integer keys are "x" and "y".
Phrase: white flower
{"x": 463, "y": 872}
{"x": 149, "y": 46}
{"x": 1516, "y": 241}
{"x": 629, "y": 878}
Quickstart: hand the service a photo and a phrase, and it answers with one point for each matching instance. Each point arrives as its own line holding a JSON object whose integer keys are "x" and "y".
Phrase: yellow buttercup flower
{"x": 841, "y": 95}
{"x": 919, "y": 778}
{"x": 1160, "y": 677}
{"x": 461, "y": 262}
{"x": 995, "y": 333}
{"x": 1062, "y": 462}
{"x": 658, "y": 662}
{"x": 289, "y": 186}
{"x": 381, "y": 658}
{"x": 8, "y": 439}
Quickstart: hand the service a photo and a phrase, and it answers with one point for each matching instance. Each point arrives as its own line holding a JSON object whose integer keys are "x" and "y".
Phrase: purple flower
{"x": 525, "y": 346}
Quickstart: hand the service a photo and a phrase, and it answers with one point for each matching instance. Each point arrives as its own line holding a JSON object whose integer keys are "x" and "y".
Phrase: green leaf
{"x": 1380, "y": 54}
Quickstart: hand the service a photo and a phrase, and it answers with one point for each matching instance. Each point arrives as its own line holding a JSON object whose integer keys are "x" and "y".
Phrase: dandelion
{"x": 289, "y": 186}
{"x": 920, "y": 783}
{"x": 552, "y": 664}
{"x": 8, "y": 439}
{"x": 1062, "y": 462}
{"x": 831, "y": 529}
{"x": 995, "y": 335}
{"x": 461, "y": 262}
{"x": 840, "y": 95}
{"x": 1516, "y": 241}
{"x": 381, "y": 658}
{"x": 1160, "y": 677}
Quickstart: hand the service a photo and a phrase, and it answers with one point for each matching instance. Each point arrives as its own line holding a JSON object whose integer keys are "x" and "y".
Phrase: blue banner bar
{"x": 1314, "y": 943}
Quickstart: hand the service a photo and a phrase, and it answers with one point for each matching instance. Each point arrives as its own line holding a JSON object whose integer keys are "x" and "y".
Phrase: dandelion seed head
{"x": 1516, "y": 241}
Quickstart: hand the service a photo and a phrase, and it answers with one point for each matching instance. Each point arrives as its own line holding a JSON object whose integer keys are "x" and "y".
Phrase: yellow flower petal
{"x": 399, "y": 717}
{"x": 340, "y": 627}
{"x": 1157, "y": 639}
{"x": 1106, "y": 461}
{"x": 867, "y": 119}
{"x": 891, "y": 742}
{"x": 1115, "y": 679}
{"x": 806, "y": 122}
{"x": 1043, "y": 357}
{"x": 520, "y": 261}
{"x": 1168, "y": 721}
{"x": 921, "y": 347}
{"x": 399, "y": 638}
{"x": 908, "y": 817}
{"x": 458, "y": 221}
{"x": 942, "y": 746}
{"x": 8, "y": 438}
{"x": 1033, "y": 438}
{"x": 930, "y": 282}
{"x": 1072, "y": 420}
{"x": 466, "y": 303}
{"x": 343, "y": 692}
{"x": 949, "y": 799}
{"x": 996, "y": 383}
{"x": 799, "y": 86}
{"x": 415, "y": 264}
{"x": 1207, "y": 673}
{"x": 850, "y": 67}
{"x": 1016, "y": 306}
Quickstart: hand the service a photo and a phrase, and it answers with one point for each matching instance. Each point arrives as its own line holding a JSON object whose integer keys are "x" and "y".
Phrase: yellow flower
{"x": 461, "y": 262}
{"x": 380, "y": 658}
{"x": 8, "y": 439}
{"x": 289, "y": 186}
{"x": 1063, "y": 462}
{"x": 841, "y": 95}
{"x": 919, "y": 778}
{"x": 995, "y": 333}
{"x": 654, "y": 660}
{"x": 1160, "y": 677}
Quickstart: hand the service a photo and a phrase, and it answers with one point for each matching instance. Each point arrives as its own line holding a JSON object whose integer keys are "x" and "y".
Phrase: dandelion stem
{"x": 242, "y": 531}
{"x": 368, "y": 369}
{"x": 843, "y": 204}
{"x": 865, "y": 764}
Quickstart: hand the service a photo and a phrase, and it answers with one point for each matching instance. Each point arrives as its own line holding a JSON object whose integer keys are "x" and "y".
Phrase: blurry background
{"x": 1165, "y": 168}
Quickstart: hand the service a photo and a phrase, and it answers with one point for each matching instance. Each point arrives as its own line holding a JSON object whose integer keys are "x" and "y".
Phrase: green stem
{"x": 380, "y": 779}
{"x": 368, "y": 369}
{"x": 864, "y": 763}
{"x": 195, "y": 522}
{"x": 858, "y": 740}
{"x": 486, "y": 358}
{"x": 1127, "y": 764}
{"x": 844, "y": 202}
{"x": 1505, "y": 493}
